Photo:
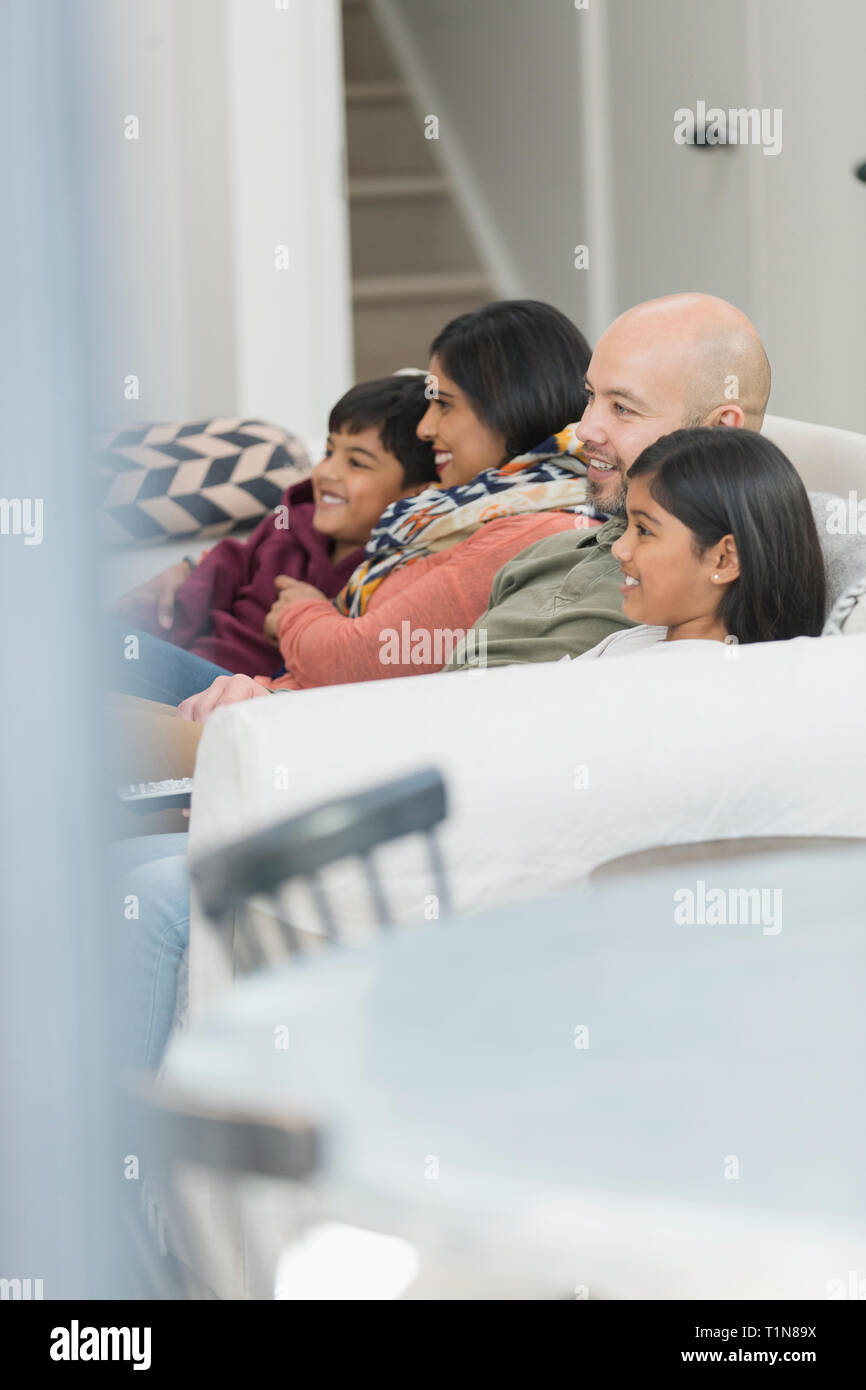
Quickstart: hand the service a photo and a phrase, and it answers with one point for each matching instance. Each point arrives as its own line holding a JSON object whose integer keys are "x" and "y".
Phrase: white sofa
{"x": 675, "y": 747}
{"x": 551, "y": 769}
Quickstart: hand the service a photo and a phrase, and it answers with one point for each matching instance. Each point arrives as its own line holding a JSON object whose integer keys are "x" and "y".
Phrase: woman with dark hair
{"x": 501, "y": 379}
{"x": 721, "y": 545}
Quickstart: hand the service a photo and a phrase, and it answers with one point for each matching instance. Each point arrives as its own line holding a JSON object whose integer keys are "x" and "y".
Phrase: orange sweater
{"x": 448, "y": 590}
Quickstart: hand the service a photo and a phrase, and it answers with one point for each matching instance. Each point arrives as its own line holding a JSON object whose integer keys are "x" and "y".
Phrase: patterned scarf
{"x": 550, "y": 477}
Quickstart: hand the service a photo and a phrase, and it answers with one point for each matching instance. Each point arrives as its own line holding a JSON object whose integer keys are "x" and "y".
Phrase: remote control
{"x": 157, "y": 796}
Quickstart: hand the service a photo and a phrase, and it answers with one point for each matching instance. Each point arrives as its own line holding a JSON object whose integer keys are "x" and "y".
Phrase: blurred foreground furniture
{"x": 345, "y": 827}
{"x": 601, "y": 1096}
{"x": 243, "y": 1140}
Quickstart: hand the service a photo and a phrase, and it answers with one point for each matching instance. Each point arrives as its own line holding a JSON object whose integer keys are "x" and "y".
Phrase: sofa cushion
{"x": 826, "y": 458}
{"x": 848, "y": 614}
{"x": 201, "y": 478}
{"x": 843, "y": 544}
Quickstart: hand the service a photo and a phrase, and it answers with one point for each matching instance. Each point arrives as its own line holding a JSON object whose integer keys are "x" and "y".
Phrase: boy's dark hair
{"x": 723, "y": 481}
{"x": 522, "y": 365}
{"x": 393, "y": 405}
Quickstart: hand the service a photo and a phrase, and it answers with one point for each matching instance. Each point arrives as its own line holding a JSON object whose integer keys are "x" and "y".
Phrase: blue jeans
{"x": 153, "y": 668}
{"x": 151, "y": 876}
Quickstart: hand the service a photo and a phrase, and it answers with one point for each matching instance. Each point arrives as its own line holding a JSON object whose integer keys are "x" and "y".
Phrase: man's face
{"x": 635, "y": 394}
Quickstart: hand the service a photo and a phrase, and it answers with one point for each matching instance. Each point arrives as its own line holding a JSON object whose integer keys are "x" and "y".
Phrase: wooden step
{"x": 386, "y": 138}
{"x": 376, "y": 92}
{"x": 418, "y": 236}
{"x": 394, "y": 187}
{"x": 411, "y": 253}
{"x": 389, "y": 289}
{"x": 366, "y": 56}
{"x": 398, "y": 333}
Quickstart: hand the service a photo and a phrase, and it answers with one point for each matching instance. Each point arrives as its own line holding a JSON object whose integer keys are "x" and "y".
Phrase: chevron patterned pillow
{"x": 202, "y": 478}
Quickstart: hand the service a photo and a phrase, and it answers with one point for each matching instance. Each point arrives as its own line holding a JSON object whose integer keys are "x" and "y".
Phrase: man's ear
{"x": 731, "y": 416}
{"x": 726, "y": 561}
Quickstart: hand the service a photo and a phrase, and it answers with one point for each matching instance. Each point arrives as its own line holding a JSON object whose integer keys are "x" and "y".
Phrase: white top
{"x": 626, "y": 641}
{"x": 636, "y": 639}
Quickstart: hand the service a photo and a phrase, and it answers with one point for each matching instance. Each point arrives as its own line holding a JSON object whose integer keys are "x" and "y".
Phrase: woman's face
{"x": 665, "y": 583}
{"x": 354, "y": 483}
{"x": 464, "y": 445}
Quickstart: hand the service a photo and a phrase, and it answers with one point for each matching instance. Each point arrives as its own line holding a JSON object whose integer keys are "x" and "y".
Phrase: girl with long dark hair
{"x": 721, "y": 545}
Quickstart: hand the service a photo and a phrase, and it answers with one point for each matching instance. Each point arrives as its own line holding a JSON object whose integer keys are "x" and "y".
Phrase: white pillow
{"x": 848, "y": 615}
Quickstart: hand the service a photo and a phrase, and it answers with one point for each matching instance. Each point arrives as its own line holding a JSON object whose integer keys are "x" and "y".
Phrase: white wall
{"x": 556, "y": 124}
{"x": 809, "y": 211}
{"x": 240, "y": 149}
{"x": 289, "y": 189}
{"x": 563, "y": 120}
{"x": 133, "y": 238}
{"x": 680, "y": 214}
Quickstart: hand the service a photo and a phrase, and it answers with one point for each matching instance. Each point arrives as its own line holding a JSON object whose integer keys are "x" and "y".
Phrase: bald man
{"x": 672, "y": 363}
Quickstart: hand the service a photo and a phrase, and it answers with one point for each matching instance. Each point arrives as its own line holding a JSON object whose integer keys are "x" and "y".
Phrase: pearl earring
{"x": 715, "y": 576}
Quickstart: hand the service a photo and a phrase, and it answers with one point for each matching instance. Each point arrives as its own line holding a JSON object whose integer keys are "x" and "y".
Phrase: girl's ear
{"x": 415, "y": 489}
{"x": 726, "y": 561}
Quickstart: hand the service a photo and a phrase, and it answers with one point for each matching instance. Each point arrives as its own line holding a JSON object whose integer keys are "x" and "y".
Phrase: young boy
{"x": 194, "y": 625}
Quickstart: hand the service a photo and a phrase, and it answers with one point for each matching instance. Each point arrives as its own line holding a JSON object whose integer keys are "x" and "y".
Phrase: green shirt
{"x": 557, "y": 598}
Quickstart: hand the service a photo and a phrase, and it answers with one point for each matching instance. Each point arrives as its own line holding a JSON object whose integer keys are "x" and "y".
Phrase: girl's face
{"x": 463, "y": 444}
{"x": 665, "y": 583}
{"x": 353, "y": 484}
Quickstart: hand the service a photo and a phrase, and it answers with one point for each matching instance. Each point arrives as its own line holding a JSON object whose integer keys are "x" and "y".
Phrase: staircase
{"x": 413, "y": 264}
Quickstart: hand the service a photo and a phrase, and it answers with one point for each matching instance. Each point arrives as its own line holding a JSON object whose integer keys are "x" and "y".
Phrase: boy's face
{"x": 354, "y": 483}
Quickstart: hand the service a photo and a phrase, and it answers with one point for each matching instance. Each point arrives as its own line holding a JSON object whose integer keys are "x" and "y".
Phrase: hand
{"x": 160, "y": 590}
{"x": 273, "y": 617}
{"x": 295, "y": 590}
{"x": 226, "y": 690}
{"x": 289, "y": 591}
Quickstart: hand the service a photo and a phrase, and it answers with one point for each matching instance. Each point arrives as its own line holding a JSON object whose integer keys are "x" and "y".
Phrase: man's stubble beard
{"x": 614, "y": 505}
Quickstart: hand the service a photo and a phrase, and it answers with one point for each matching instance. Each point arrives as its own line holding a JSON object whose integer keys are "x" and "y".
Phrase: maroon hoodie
{"x": 220, "y": 610}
